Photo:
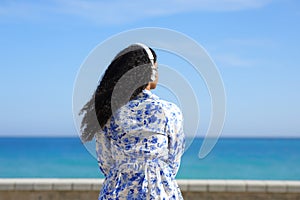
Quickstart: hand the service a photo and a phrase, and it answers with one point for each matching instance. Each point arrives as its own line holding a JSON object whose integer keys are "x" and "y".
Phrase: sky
{"x": 254, "y": 43}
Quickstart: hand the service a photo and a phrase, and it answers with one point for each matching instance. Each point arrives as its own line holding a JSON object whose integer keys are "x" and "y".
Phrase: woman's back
{"x": 140, "y": 148}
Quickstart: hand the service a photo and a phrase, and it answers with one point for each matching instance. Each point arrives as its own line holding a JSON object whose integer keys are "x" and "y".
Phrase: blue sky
{"x": 254, "y": 43}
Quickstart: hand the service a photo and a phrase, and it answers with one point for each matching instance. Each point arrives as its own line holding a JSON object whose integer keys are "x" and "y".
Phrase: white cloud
{"x": 121, "y": 11}
{"x": 241, "y": 52}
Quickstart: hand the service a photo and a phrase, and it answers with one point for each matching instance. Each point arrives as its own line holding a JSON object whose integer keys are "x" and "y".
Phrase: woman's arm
{"x": 176, "y": 138}
{"x": 103, "y": 151}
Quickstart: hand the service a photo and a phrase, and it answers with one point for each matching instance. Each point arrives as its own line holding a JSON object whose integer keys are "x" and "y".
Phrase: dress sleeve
{"x": 176, "y": 138}
{"x": 103, "y": 152}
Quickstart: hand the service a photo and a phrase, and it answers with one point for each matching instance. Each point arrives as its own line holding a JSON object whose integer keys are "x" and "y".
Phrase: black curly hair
{"x": 99, "y": 108}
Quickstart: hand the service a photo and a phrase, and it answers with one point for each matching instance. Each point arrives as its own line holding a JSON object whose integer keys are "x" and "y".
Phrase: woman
{"x": 141, "y": 140}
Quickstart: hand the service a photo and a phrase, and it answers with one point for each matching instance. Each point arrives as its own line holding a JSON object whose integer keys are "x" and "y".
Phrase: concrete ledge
{"x": 256, "y": 186}
{"x": 44, "y": 189}
{"x": 185, "y": 185}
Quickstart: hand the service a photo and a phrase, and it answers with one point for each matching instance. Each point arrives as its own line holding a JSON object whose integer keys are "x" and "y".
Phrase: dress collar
{"x": 147, "y": 94}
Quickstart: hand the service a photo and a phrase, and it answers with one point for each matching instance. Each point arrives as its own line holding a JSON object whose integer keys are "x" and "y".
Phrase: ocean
{"x": 231, "y": 158}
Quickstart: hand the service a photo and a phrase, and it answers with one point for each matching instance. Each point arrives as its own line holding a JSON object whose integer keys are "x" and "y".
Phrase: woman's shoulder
{"x": 169, "y": 110}
{"x": 164, "y": 103}
{"x": 170, "y": 107}
{"x": 168, "y": 104}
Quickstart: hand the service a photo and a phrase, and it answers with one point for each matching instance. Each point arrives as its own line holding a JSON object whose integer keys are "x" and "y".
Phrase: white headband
{"x": 151, "y": 57}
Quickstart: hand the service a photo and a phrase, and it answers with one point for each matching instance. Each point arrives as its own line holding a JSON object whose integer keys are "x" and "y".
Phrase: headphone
{"x": 151, "y": 57}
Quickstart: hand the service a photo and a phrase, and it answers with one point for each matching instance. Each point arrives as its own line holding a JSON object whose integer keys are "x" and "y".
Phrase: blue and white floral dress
{"x": 140, "y": 148}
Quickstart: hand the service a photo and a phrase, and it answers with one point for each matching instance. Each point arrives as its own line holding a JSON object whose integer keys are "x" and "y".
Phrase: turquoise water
{"x": 232, "y": 158}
